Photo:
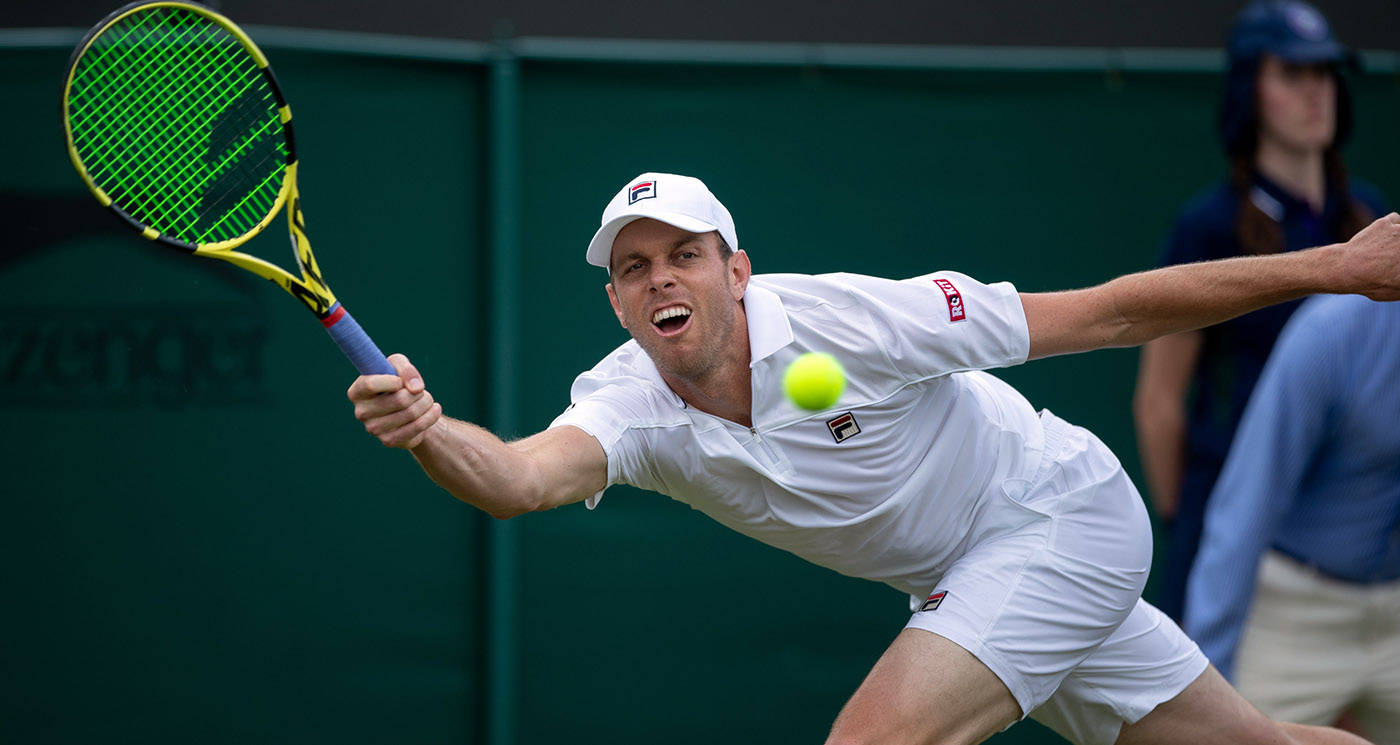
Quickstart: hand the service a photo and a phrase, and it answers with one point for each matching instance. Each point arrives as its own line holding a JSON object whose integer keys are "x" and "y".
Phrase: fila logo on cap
{"x": 933, "y": 601}
{"x": 843, "y": 427}
{"x": 640, "y": 191}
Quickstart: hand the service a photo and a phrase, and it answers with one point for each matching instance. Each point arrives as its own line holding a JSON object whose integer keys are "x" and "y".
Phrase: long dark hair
{"x": 1257, "y": 232}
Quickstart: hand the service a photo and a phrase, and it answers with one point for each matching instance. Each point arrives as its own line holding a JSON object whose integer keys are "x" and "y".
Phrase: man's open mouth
{"x": 671, "y": 320}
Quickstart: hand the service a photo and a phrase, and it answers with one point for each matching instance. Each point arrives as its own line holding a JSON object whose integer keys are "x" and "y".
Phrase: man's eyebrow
{"x": 628, "y": 257}
{"x": 634, "y": 255}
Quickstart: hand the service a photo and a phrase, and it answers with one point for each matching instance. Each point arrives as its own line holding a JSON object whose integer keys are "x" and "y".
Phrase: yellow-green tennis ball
{"x": 814, "y": 381}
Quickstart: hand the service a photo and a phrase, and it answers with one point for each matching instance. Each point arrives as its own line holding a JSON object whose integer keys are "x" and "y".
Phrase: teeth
{"x": 671, "y": 312}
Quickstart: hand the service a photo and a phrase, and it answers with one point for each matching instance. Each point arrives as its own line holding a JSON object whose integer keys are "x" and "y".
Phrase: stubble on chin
{"x": 692, "y": 366}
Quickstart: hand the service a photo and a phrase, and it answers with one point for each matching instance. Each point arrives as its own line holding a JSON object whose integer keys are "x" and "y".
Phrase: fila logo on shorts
{"x": 639, "y": 191}
{"x": 933, "y": 601}
{"x": 955, "y": 303}
{"x": 843, "y": 427}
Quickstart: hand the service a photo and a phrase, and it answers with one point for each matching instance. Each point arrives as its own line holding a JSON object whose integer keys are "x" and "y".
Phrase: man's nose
{"x": 661, "y": 278}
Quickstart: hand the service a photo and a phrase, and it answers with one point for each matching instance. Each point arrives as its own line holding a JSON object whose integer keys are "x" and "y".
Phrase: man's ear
{"x": 616, "y": 306}
{"x": 739, "y": 272}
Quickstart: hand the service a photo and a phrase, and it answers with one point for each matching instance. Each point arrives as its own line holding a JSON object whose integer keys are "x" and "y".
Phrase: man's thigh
{"x": 926, "y": 689}
{"x": 1208, "y": 712}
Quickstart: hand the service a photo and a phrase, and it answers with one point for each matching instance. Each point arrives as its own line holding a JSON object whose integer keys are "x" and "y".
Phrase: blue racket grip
{"x": 355, "y": 343}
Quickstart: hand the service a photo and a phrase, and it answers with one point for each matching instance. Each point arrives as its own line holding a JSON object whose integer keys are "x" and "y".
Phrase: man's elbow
{"x": 520, "y": 504}
{"x": 506, "y": 514}
{"x": 501, "y": 506}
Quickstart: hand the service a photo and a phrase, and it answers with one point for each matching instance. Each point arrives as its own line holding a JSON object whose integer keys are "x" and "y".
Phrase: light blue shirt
{"x": 1314, "y": 470}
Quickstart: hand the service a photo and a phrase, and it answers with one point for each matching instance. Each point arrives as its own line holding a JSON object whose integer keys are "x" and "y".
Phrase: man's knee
{"x": 852, "y": 738}
{"x": 951, "y": 735}
{"x": 1304, "y": 734}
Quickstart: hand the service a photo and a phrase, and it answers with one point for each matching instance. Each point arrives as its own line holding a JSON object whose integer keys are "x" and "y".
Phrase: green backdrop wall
{"x": 199, "y": 543}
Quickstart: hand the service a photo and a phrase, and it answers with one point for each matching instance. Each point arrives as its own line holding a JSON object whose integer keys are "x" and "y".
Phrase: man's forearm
{"x": 1138, "y": 308}
{"x": 1185, "y": 297}
{"x": 478, "y": 468}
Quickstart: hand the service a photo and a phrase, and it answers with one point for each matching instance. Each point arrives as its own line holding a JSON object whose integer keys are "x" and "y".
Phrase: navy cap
{"x": 1290, "y": 29}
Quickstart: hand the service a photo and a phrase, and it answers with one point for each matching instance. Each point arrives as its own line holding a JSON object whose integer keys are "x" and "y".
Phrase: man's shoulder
{"x": 802, "y": 291}
{"x": 628, "y": 365}
{"x": 627, "y": 379}
{"x": 837, "y": 290}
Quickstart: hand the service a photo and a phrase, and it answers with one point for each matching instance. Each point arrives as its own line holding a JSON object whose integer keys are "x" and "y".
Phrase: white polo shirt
{"x": 893, "y": 483}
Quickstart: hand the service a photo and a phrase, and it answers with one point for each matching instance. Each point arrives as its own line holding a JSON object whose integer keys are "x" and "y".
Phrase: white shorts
{"x": 1054, "y": 608}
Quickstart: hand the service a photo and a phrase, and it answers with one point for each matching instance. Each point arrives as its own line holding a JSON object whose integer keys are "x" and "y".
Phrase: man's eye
{"x": 688, "y": 254}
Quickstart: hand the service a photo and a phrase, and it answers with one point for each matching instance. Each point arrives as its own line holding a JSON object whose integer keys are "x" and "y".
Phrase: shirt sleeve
{"x": 1285, "y": 423}
{"x": 944, "y": 322}
{"x": 615, "y": 415}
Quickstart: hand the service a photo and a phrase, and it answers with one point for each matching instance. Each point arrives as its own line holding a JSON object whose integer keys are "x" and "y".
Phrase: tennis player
{"x": 1018, "y": 536}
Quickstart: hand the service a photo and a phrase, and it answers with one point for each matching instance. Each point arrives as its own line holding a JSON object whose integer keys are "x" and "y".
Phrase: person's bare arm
{"x": 1159, "y": 414}
{"x": 505, "y": 479}
{"x": 1137, "y": 308}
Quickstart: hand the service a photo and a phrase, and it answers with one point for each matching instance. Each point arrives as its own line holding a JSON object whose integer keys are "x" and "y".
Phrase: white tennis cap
{"x": 681, "y": 201}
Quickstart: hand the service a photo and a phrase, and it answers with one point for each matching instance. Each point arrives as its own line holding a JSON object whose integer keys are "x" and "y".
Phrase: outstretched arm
{"x": 1140, "y": 307}
{"x": 549, "y": 469}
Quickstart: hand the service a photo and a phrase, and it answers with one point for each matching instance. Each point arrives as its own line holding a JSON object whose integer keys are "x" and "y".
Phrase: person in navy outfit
{"x": 1285, "y": 115}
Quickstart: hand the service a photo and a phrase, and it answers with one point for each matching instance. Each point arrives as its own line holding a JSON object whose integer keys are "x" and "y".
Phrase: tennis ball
{"x": 814, "y": 381}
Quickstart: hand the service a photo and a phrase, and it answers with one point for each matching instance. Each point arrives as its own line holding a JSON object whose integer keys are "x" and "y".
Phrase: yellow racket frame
{"x": 310, "y": 288}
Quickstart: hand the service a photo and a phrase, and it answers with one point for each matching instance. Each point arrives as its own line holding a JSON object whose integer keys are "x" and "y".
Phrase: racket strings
{"x": 182, "y": 179}
{"x": 129, "y": 98}
{"x": 148, "y": 99}
{"x": 174, "y": 119}
{"x": 129, "y": 161}
{"x": 176, "y": 96}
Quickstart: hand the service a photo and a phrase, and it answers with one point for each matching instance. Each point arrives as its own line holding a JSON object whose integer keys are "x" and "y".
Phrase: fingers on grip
{"x": 396, "y": 409}
{"x": 409, "y": 374}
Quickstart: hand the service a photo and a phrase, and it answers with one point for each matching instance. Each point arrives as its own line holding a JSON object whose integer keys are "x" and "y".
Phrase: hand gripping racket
{"x": 176, "y": 124}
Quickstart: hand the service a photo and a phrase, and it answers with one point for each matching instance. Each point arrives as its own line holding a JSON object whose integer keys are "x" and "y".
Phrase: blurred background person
{"x": 1285, "y": 114}
{"x": 1312, "y": 486}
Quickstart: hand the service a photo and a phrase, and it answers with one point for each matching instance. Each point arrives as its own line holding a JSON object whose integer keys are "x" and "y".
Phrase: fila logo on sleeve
{"x": 843, "y": 427}
{"x": 934, "y": 601}
{"x": 955, "y": 303}
{"x": 640, "y": 191}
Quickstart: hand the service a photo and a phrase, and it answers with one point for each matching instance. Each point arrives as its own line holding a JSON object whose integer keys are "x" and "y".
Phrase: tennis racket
{"x": 174, "y": 120}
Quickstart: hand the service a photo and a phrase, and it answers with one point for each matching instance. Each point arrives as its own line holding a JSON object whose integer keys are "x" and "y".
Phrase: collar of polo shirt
{"x": 769, "y": 328}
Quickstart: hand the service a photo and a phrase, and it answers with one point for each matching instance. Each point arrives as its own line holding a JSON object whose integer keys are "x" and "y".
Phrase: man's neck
{"x": 1299, "y": 172}
{"x": 726, "y": 391}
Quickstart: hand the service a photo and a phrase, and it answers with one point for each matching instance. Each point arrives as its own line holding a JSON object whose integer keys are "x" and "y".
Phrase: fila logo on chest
{"x": 843, "y": 427}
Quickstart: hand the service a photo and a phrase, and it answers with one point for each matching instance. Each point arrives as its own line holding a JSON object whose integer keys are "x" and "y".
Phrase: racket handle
{"x": 355, "y": 343}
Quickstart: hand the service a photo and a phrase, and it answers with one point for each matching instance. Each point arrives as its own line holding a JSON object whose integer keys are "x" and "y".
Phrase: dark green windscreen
{"x": 172, "y": 117}
{"x": 158, "y": 589}
{"x": 198, "y": 542}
